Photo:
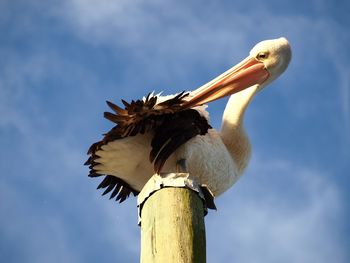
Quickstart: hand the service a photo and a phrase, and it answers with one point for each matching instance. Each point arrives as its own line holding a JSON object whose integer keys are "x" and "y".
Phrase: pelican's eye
{"x": 262, "y": 55}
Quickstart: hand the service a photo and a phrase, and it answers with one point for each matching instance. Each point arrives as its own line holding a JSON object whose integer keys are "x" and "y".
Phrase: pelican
{"x": 162, "y": 133}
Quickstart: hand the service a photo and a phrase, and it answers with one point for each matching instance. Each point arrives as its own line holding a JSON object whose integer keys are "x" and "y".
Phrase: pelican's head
{"x": 266, "y": 62}
{"x": 275, "y": 54}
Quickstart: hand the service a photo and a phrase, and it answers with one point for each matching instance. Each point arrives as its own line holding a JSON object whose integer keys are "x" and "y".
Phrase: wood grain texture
{"x": 172, "y": 228}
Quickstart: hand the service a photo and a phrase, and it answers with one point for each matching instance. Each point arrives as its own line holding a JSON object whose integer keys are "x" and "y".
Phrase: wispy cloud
{"x": 46, "y": 192}
{"x": 279, "y": 213}
{"x": 157, "y": 32}
{"x": 31, "y": 233}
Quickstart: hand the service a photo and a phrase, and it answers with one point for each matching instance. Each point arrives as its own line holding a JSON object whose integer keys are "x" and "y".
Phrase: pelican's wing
{"x": 121, "y": 190}
{"x": 139, "y": 116}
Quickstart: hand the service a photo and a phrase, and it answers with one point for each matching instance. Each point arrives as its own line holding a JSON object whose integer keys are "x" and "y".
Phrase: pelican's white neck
{"x": 236, "y": 106}
{"x": 232, "y": 131}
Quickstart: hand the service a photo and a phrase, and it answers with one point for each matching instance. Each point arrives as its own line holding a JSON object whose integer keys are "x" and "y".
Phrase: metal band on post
{"x": 172, "y": 207}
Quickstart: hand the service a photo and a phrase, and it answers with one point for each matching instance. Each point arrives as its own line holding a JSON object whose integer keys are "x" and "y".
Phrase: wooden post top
{"x": 179, "y": 180}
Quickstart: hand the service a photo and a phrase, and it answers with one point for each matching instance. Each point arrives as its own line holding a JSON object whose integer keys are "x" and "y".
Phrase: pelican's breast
{"x": 209, "y": 162}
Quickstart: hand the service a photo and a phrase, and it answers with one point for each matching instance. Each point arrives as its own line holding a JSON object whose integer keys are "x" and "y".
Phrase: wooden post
{"x": 172, "y": 228}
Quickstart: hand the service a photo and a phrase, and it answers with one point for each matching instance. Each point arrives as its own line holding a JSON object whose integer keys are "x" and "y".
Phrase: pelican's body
{"x": 133, "y": 165}
{"x": 214, "y": 158}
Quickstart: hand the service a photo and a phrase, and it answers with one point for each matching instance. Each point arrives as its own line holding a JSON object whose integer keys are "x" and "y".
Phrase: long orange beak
{"x": 247, "y": 73}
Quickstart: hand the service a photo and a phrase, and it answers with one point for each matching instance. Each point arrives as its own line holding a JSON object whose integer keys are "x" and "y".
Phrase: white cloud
{"x": 157, "y": 33}
{"x": 263, "y": 220}
{"x": 257, "y": 221}
{"x": 166, "y": 38}
{"x": 46, "y": 192}
{"x": 337, "y": 49}
{"x": 31, "y": 232}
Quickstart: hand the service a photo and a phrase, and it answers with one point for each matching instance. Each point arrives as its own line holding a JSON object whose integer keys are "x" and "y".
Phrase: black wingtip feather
{"x": 110, "y": 187}
{"x": 126, "y": 104}
{"x": 123, "y": 194}
{"x": 115, "y": 108}
{"x": 115, "y": 191}
{"x": 105, "y": 182}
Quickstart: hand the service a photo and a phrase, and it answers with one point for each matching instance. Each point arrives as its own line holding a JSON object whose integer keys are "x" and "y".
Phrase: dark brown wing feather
{"x": 175, "y": 130}
{"x": 172, "y": 125}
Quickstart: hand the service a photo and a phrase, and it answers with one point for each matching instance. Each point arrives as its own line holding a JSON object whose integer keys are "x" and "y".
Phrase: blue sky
{"x": 60, "y": 61}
